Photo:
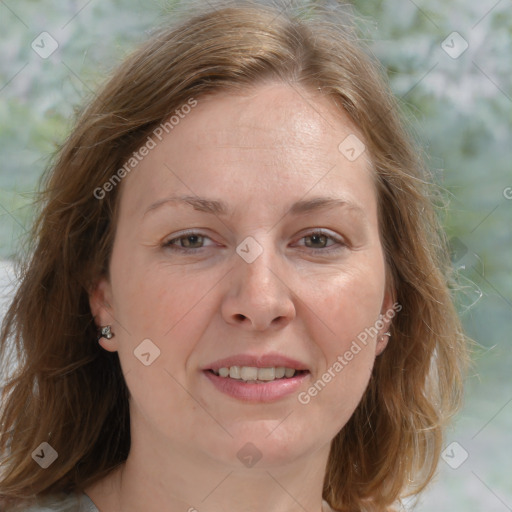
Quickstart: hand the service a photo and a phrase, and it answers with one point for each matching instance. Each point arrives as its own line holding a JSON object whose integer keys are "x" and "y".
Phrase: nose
{"x": 259, "y": 297}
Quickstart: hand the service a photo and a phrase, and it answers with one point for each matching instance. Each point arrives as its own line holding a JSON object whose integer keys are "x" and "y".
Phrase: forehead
{"x": 275, "y": 140}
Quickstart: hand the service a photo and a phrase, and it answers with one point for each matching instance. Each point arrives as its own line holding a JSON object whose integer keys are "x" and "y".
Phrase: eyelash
{"x": 171, "y": 246}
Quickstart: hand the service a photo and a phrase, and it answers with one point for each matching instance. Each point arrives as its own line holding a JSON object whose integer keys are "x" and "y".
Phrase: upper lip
{"x": 258, "y": 361}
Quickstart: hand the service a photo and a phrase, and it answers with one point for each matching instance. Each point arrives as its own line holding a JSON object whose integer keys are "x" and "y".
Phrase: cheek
{"x": 343, "y": 323}
{"x": 164, "y": 304}
{"x": 160, "y": 305}
{"x": 346, "y": 305}
{"x": 333, "y": 396}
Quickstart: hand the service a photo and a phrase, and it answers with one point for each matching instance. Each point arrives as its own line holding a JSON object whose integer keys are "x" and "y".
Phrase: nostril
{"x": 240, "y": 317}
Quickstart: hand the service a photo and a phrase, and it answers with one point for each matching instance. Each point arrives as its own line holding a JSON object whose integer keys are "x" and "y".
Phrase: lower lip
{"x": 257, "y": 392}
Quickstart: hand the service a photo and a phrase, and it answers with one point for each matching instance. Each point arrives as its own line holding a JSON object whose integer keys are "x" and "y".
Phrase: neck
{"x": 176, "y": 480}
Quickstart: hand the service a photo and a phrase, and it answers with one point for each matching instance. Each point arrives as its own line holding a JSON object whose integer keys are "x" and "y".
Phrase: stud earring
{"x": 105, "y": 332}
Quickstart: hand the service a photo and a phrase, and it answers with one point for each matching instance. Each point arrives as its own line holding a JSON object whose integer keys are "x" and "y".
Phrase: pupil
{"x": 191, "y": 237}
{"x": 315, "y": 238}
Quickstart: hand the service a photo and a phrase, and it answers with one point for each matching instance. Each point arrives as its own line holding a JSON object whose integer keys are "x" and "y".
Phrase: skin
{"x": 259, "y": 152}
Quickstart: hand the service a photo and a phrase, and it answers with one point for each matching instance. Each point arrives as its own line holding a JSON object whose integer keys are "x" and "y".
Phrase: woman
{"x": 238, "y": 294}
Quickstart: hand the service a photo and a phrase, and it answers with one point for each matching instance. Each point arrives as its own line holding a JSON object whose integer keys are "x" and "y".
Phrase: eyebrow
{"x": 217, "y": 207}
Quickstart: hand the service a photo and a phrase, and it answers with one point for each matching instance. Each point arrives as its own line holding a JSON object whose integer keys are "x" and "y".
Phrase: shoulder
{"x": 60, "y": 502}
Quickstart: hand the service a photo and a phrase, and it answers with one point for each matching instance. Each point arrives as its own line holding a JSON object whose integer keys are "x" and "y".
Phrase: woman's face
{"x": 254, "y": 269}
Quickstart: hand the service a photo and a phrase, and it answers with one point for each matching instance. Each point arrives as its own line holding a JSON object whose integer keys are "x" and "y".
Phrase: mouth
{"x": 252, "y": 384}
{"x": 257, "y": 378}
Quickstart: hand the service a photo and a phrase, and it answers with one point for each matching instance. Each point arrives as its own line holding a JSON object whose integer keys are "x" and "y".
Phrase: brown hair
{"x": 68, "y": 391}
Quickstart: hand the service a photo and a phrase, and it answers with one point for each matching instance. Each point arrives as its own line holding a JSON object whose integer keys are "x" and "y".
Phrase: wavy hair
{"x": 68, "y": 391}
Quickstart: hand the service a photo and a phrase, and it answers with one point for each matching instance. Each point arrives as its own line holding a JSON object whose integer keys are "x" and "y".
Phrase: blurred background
{"x": 448, "y": 62}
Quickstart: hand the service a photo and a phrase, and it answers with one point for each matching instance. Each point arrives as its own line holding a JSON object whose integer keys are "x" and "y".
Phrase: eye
{"x": 319, "y": 239}
{"x": 187, "y": 242}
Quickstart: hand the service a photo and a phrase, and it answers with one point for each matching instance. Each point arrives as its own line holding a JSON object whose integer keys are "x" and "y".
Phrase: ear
{"x": 387, "y": 313}
{"x": 100, "y": 302}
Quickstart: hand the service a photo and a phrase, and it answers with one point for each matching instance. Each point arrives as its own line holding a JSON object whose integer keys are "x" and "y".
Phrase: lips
{"x": 239, "y": 376}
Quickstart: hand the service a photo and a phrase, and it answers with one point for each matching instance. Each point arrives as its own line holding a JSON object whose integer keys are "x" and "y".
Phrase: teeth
{"x": 266, "y": 373}
{"x": 248, "y": 373}
{"x": 289, "y": 372}
{"x": 234, "y": 372}
{"x": 252, "y": 373}
{"x": 280, "y": 371}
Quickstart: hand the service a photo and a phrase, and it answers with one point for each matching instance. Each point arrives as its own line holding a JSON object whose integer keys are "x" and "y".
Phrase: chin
{"x": 263, "y": 444}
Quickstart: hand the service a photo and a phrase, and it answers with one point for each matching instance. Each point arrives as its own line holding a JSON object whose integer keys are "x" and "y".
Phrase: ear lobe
{"x": 382, "y": 343}
{"x": 100, "y": 300}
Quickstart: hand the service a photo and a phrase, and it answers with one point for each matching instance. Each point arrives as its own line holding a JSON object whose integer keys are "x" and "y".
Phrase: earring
{"x": 388, "y": 334}
{"x": 105, "y": 332}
